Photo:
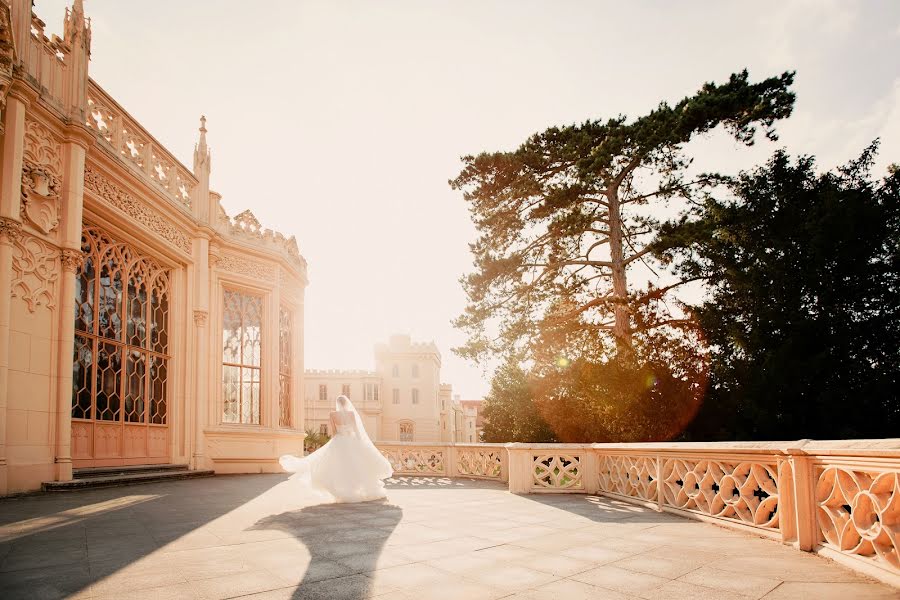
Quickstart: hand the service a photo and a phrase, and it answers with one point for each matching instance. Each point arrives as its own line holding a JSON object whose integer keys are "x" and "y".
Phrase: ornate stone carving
{"x": 35, "y": 272}
{"x": 140, "y": 212}
{"x": 200, "y": 317}
{"x": 415, "y": 461}
{"x": 557, "y": 471}
{"x": 246, "y": 266}
{"x": 479, "y": 462}
{"x": 71, "y": 260}
{"x": 741, "y": 491}
{"x": 248, "y": 224}
{"x": 858, "y": 512}
{"x": 41, "y": 177}
{"x": 634, "y": 476}
{"x": 10, "y": 229}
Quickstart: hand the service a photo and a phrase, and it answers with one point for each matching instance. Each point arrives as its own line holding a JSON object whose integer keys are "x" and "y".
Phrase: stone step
{"x": 85, "y": 472}
{"x": 120, "y": 479}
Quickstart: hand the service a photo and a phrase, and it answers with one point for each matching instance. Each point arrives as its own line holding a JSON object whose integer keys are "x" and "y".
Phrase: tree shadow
{"x": 55, "y": 545}
{"x": 341, "y": 542}
{"x": 603, "y": 509}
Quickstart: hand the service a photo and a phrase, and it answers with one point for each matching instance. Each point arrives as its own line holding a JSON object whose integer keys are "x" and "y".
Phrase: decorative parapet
{"x": 246, "y": 227}
{"x": 137, "y": 148}
{"x": 474, "y": 461}
{"x": 339, "y": 373}
{"x": 837, "y": 498}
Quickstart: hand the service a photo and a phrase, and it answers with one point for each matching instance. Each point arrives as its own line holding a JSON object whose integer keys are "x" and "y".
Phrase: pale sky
{"x": 341, "y": 122}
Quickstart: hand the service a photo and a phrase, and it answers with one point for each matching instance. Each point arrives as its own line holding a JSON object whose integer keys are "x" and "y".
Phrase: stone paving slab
{"x": 261, "y": 537}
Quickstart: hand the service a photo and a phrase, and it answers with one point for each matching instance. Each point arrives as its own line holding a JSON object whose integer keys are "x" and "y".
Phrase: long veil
{"x": 365, "y": 454}
{"x": 363, "y": 435}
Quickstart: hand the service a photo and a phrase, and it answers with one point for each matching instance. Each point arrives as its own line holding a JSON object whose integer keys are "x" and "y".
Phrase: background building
{"x": 139, "y": 323}
{"x": 474, "y": 419}
{"x": 401, "y": 400}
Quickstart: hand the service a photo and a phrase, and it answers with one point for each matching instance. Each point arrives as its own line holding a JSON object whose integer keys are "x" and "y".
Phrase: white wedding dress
{"x": 349, "y": 466}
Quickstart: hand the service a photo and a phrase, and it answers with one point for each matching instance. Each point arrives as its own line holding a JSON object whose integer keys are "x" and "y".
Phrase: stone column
{"x": 71, "y": 257}
{"x": 10, "y": 227}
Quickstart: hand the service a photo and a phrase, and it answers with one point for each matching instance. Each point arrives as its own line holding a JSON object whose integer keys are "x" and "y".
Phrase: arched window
{"x": 121, "y": 360}
{"x": 241, "y": 357}
{"x": 116, "y": 284}
{"x": 406, "y": 431}
{"x": 285, "y": 366}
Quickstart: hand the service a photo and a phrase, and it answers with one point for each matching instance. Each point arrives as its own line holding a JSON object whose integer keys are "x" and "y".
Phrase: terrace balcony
{"x": 585, "y": 521}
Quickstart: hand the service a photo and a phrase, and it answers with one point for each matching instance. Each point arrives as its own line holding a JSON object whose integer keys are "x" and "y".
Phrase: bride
{"x": 349, "y": 466}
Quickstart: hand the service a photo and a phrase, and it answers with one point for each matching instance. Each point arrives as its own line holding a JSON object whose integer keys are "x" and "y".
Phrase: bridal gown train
{"x": 349, "y": 466}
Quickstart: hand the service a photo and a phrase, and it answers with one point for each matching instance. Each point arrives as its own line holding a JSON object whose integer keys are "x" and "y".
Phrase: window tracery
{"x": 120, "y": 363}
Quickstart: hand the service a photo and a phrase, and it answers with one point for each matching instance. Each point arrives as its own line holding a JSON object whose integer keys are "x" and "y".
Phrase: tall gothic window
{"x": 285, "y": 359}
{"x": 121, "y": 360}
{"x": 241, "y": 357}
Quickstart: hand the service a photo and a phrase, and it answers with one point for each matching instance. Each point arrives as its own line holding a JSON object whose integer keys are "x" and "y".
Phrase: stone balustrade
{"x": 443, "y": 459}
{"x": 837, "y": 498}
{"x": 134, "y": 144}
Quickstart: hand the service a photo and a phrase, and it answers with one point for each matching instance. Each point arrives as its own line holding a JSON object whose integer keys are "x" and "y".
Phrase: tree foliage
{"x": 562, "y": 220}
{"x": 510, "y": 413}
{"x": 803, "y": 311}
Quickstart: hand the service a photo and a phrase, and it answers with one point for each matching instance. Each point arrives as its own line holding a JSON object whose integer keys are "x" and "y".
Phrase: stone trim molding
{"x": 246, "y": 266}
{"x": 137, "y": 210}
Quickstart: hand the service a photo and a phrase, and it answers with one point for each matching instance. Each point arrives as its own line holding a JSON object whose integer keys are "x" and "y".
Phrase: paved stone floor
{"x": 257, "y": 536}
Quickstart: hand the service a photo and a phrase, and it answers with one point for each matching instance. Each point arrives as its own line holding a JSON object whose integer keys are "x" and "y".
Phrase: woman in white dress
{"x": 349, "y": 466}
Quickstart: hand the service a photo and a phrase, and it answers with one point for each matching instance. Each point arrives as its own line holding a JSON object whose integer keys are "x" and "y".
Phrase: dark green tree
{"x": 564, "y": 219}
{"x": 803, "y": 313}
{"x": 563, "y": 222}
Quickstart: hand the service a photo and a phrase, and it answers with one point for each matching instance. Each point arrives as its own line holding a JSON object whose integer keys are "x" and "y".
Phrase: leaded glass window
{"x": 118, "y": 370}
{"x": 285, "y": 359}
{"x": 241, "y": 357}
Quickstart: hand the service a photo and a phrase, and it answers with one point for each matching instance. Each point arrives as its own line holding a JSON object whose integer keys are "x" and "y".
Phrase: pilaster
{"x": 71, "y": 256}
{"x": 10, "y": 228}
{"x": 200, "y": 366}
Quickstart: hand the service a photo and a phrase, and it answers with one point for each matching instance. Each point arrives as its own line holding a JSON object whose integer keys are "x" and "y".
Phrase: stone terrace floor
{"x": 256, "y": 536}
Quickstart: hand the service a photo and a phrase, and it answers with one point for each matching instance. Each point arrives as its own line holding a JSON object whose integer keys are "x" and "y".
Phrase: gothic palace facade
{"x": 139, "y": 323}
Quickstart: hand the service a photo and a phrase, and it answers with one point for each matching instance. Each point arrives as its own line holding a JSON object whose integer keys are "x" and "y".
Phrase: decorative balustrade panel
{"x": 858, "y": 513}
{"x": 633, "y": 476}
{"x": 133, "y": 144}
{"x": 478, "y": 462}
{"x": 557, "y": 472}
{"x": 746, "y": 492}
{"x": 415, "y": 460}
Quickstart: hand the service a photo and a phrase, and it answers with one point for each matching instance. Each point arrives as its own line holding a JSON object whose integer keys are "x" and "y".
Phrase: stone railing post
{"x": 660, "y": 488}
{"x": 520, "y": 468}
{"x": 590, "y": 475}
{"x": 801, "y": 526}
{"x": 504, "y": 467}
{"x": 450, "y": 461}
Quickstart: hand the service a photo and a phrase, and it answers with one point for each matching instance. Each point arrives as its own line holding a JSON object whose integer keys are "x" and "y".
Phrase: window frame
{"x": 263, "y": 296}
